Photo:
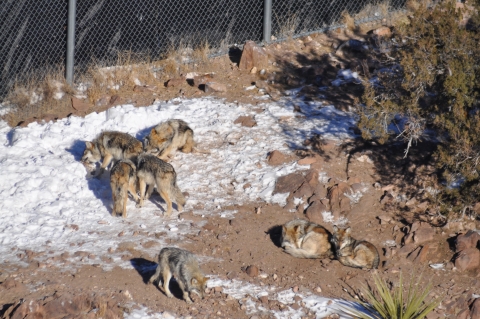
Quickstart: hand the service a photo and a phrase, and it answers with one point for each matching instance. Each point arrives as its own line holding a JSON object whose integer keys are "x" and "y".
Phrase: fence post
{"x": 70, "y": 41}
{"x": 267, "y": 21}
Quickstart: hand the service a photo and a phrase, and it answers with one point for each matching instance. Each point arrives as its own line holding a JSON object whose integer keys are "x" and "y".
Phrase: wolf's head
{"x": 156, "y": 142}
{"x": 91, "y": 153}
{"x": 342, "y": 240}
{"x": 198, "y": 285}
{"x": 290, "y": 236}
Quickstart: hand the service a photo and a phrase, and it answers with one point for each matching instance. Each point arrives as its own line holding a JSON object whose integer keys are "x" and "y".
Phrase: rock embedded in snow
{"x": 276, "y": 158}
{"x": 247, "y": 121}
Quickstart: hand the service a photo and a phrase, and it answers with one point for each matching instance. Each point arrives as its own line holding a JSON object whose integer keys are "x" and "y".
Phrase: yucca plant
{"x": 381, "y": 302}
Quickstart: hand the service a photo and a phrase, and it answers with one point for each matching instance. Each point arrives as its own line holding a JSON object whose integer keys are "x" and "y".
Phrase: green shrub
{"x": 384, "y": 303}
{"x": 434, "y": 85}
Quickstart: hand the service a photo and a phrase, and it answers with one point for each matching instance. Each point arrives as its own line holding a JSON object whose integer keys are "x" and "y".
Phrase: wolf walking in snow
{"x": 123, "y": 179}
{"x": 111, "y": 145}
{"x": 354, "y": 253}
{"x": 303, "y": 239}
{"x": 169, "y": 136}
{"x": 153, "y": 171}
{"x": 182, "y": 265}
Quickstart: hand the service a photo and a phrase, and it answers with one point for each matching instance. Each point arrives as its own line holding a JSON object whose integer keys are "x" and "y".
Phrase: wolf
{"x": 354, "y": 253}
{"x": 182, "y": 265}
{"x": 111, "y": 145}
{"x": 303, "y": 239}
{"x": 153, "y": 171}
{"x": 123, "y": 179}
{"x": 169, "y": 136}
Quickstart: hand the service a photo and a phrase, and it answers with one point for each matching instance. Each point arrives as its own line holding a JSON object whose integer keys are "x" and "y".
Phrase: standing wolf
{"x": 123, "y": 179}
{"x": 153, "y": 171}
{"x": 169, "y": 136}
{"x": 111, "y": 145}
{"x": 184, "y": 267}
{"x": 303, "y": 239}
{"x": 354, "y": 253}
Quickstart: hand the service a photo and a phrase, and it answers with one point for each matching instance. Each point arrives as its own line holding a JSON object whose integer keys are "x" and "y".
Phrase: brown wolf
{"x": 111, "y": 145}
{"x": 303, "y": 239}
{"x": 123, "y": 179}
{"x": 169, "y": 136}
{"x": 354, "y": 253}
{"x": 184, "y": 267}
{"x": 153, "y": 171}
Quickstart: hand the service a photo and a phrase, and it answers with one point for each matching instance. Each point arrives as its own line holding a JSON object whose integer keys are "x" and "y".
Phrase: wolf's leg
{"x": 156, "y": 275}
{"x": 165, "y": 195}
{"x": 186, "y": 294}
{"x": 150, "y": 190}
{"x": 189, "y": 143}
{"x": 133, "y": 190}
{"x": 106, "y": 161}
{"x": 141, "y": 186}
{"x": 167, "y": 275}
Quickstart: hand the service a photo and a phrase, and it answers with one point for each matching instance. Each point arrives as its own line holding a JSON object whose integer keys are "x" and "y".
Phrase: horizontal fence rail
{"x": 33, "y": 34}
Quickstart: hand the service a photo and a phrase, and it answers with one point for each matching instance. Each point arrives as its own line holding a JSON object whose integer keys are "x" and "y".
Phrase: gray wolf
{"x": 153, "y": 171}
{"x": 123, "y": 179}
{"x": 169, "y": 136}
{"x": 354, "y": 253}
{"x": 182, "y": 265}
{"x": 303, "y": 239}
{"x": 111, "y": 145}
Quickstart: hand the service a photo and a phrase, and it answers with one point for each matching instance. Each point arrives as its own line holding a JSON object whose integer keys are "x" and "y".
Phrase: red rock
{"x": 263, "y": 299}
{"x": 211, "y": 87}
{"x": 468, "y": 240}
{"x": 288, "y": 183}
{"x": 468, "y": 259}
{"x": 383, "y": 32}
{"x": 314, "y": 212}
{"x": 276, "y": 158}
{"x": 312, "y": 178}
{"x": 247, "y": 121}
{"x": 202, "y": 79}
{"x": 475, "y": 311}
{"x": 9, "y": 283}
{"x": 175, "y": 82}
{"x": 80, "y": 105}
{"x": 305, "y": 191}
{"x": 464, "y": 314}
{"x": 423, "y": 234}
{"x": 253, "y": 56}
{"x": 252, "y": 271}
{"x": 307, "y": 161}
{"x": 406, "y": 249}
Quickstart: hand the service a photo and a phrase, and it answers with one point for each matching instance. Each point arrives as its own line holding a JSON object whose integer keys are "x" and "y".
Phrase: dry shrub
{"x": 287, "y": 25}
{"x": 348, "y": 21}
{"x": 433, "y": 86}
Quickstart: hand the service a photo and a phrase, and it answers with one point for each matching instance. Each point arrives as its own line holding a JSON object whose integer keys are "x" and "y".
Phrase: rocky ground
{"x": 383, "y": 197}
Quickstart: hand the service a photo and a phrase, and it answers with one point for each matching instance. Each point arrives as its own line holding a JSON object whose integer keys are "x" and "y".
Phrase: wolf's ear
{"x": 194, "y": 281}
{"x": 205, "y": 278}
{"x": 296, "y": 228}
{"x": 153, "y": 132}
{"x": 88, "y": 144}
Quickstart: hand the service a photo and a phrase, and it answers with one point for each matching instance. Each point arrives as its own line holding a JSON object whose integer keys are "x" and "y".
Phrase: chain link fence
{"x": 33, "y": 34}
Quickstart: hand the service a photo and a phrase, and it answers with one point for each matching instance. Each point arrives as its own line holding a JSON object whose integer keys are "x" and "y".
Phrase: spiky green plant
{"x": 381, "y": 302}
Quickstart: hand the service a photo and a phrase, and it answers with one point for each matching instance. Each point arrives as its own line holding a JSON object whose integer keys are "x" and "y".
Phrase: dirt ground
{"x": 251, "y": 239}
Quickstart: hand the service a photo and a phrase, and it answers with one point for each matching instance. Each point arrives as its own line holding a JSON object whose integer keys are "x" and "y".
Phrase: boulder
{"x": 467, "y": 240}
{"x": 288, "y": 183}
{"x": 253, "y": 56}
{"x": 468, "y": 259}
{"x": 314, "y": 212}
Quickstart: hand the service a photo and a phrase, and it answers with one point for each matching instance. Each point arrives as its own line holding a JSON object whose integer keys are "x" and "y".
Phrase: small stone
{"x": 211, "y": 87}
{"x": 275, "y": 158}
{"x": 80, "y": 105}
{"x": 252, "y": 271}
{"x": 318, "y": 289}
{"x": 175, "y": 82}
{"x": 247, "y": 121}
{"x": 275, "y": 277}
{"x": 254, "y": 70}
{"x": 295, "y": 289}
{"x": 423, "y": 234}
{"x": 384, "y": 31}
{"x": 307, "y": 161}
{"x": 263, "y": 299}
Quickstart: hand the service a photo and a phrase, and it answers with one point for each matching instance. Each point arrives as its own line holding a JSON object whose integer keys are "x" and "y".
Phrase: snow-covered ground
{"x": 49, "y": 203}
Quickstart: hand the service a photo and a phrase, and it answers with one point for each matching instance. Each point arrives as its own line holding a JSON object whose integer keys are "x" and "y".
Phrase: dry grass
{"x": 348, "y": 21}
{"x": 287, "y": 25}
{"x": 37, "y": 97}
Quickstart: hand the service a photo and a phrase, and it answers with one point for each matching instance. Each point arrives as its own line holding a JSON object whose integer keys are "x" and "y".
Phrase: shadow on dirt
{"x": 275, "y": 234}
{"x": 146, "y": 269}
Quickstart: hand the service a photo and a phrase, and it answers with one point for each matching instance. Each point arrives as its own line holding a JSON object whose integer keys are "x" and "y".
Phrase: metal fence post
{"x": 267, "y": 21}
{"x": 70, "y": 40}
